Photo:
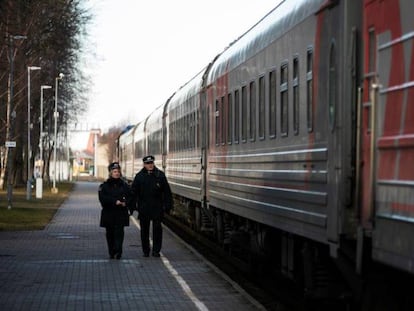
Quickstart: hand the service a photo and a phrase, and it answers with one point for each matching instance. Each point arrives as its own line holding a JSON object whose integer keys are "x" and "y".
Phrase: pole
{"x": 95, "y": 170}
{"x": 54, "y": 189}
{"x": 10, "y": 117}
{"x": 29, "y": 147}
{"x": 11, "y": 114}
{"x": 39, "y": 180}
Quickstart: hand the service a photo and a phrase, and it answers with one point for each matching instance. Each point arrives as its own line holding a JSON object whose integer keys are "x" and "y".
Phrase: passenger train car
{"x": 297, "y": 141}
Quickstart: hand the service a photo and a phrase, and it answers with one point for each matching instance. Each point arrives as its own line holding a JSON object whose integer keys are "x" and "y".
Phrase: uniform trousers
{"x": 115, "y": 239}
{"x": 145, "y": 223}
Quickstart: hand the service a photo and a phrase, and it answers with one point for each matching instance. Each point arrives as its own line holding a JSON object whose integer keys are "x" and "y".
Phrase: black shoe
{"x": 111, "y": 256}
{"x": 155, "y": 254}
{"x": 118, "y": 256}
{"x": 146, "y": 255}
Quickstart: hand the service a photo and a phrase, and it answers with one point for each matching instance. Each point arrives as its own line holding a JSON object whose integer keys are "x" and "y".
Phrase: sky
{"x": 140, "y": 52}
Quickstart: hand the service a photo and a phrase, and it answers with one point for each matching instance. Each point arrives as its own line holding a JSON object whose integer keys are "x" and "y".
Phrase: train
{"x": 296, "y": 142}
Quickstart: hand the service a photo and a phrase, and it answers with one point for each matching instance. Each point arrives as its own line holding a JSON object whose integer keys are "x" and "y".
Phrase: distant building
{"x": 84, "y": 161}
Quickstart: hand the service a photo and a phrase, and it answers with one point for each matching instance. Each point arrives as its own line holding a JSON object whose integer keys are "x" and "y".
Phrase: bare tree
{"x": 110, "y": 138}
{"x": 54, "y": 32}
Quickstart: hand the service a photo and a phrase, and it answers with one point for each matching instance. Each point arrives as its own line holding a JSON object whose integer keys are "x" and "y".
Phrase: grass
{"x": 32, "y": 214}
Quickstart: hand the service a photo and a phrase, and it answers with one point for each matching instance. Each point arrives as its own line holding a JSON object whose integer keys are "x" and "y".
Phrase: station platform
{"x": 66, "y": 267}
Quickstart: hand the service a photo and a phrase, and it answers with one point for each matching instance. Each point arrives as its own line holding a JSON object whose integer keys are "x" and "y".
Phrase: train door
{"x": 338, "y": 90}
{"x": 389, "y": 183}
{"x": 204, "y": 132}
{"x": 164, "y": 138}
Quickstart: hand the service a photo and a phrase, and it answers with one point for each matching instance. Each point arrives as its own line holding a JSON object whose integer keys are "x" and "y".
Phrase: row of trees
{"x": 50, "y": 34}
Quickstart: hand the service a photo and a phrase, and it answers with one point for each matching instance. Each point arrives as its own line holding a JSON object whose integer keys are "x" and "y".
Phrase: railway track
{"x": 272, "y": 291}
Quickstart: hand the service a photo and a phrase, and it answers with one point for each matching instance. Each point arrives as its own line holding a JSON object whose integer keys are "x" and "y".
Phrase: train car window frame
{"x": 252, "y": 110}
{"x": 236, "y": 116}
{"x": 272, "y": 103}
{"x": 244, "y": 114}
{"x": 262, "y": 107}
{"x": 229, "y": 118}
{"x": 284, "y": 99}
{"x": 332, "y": 86}
{"x": 217, "y": 122}
{"x": 295, "y": 94}
{"x": 309, "y": 88}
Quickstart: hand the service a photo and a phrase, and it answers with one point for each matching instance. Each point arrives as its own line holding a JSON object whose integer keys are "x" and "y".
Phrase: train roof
{"x": 187, "y": 91}
{"x": 127, "y": 134}
{"x": 155, "y": 118}
{"x": 271, "y": 27}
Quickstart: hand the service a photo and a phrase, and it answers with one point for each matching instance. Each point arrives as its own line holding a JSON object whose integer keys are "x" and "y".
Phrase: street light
{"x": 29, "y": 149}
{"x": 61, "y": 75}
{"x": 10, "y": 116}
{"x": 39, "y": 180}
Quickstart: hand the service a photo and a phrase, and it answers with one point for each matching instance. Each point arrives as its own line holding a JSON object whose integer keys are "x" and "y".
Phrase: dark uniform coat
{"x": 152, "y": 193}
{"x": 110, "y": 191}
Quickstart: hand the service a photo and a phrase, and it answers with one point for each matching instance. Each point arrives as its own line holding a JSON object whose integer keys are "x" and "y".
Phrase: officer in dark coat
{"x": 152, "y": 194}
{"x": 114, "y": 194}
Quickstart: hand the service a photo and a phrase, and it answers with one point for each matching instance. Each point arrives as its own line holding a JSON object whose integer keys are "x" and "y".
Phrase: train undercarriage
{"x": 273, "y": 257}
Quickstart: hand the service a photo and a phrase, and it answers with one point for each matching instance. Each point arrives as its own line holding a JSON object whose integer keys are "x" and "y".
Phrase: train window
{"x": 229, "y": 118}
{"x": 272, "y": 104}
{"x": 295, "y": 85}
{"x": 223, "y": 119}
{"x": 189, "y": 123}
{"x": 188, "y": 126}
{"x": 197, "y": 116}
{"x": 284, "y": 99}
{"x": 174, "y": 136}
{"x": 371, "y": 50}
{"x": 194, "y": 131}
{"x": 236, "y": 116}
{"x": 217, "y": 114}
{"x": 262, "y": 108}
{"x": 332, "y": 87}
{"x": 171, "y": 136}
{"x": 309, "y": 89}
{"x": 252, "y": 111}
{"x": 244, "y": 114}
{"x": 178, "y": 136}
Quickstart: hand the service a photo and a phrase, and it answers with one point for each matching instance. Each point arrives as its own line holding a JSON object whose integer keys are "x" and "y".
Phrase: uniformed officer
{"x": 152, "y": 194}
{"x": 114, "y": 194}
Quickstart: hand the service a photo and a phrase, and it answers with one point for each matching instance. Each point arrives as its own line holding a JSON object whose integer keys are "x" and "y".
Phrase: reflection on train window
{"x": 252, "y": 111}
{"x": 197, "y": 113}
{"x": 284, "y": 99}
{"x": 223, "y": 118}
{"x": 295, "y": 85}
{"x": 155, "y": 142}
{"x": 229, "y": 118}
{"x": 309, "y": 89}
{"x": 272, "y": 104}
{"x": 171, "y": 129}
{"x": 244, "y": 114}
{"x": 236, "y": 116}
{"x": 261, "y": 108}
{"x": 332, "y": 88}
{"x": 371, "y": 50}
{"x": 216, "y": 115}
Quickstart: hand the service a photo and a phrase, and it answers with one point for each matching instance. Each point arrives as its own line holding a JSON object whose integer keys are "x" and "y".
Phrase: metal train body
{"x": 303, "y": 126}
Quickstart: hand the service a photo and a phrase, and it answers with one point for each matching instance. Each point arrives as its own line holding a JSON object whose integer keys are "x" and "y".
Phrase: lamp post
{"x": 11, "y": 114}
{"x": 29, "y": 149}
{"x": 39, "y": 180}
{"x": 95, "y": 132}
{"x": 61, "y": 75}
